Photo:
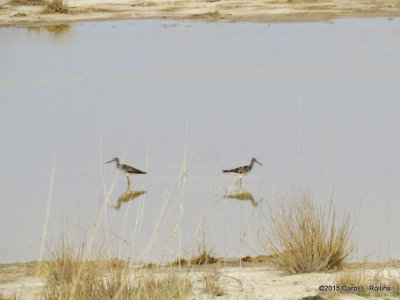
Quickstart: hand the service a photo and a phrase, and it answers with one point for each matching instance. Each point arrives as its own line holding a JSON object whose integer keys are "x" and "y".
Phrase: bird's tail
{"x": 225, "y": 171}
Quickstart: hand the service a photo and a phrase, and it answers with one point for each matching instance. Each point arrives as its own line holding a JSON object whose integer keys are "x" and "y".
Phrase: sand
{"x": 17, "y": 12}
{"x": 244, "y": 281}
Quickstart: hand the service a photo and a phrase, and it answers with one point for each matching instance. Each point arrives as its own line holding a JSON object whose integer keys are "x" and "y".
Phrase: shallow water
{"x": 316, "y": 103}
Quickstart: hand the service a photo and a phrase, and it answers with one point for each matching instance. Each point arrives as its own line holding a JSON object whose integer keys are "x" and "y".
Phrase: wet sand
{"x": 33, "y": 12}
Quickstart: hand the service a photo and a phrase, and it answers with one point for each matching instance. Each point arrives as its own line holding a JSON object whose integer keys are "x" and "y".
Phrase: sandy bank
{"x": 30, "y": 12}
{"x": 238, "y": 281}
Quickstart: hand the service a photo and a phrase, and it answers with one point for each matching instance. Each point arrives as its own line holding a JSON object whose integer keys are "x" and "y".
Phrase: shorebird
{"x": 125, "y": 169}
{"x": 244, "y": 170}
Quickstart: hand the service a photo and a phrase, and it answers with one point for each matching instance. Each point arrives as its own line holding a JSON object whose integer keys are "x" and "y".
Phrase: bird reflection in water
{"x": 241, "y": 195}
{"x": 128, "y": 195}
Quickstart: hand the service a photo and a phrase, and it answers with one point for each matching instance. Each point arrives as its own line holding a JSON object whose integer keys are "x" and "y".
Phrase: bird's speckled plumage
{"x": 125, "y": 168}
{"x": 244, "y": 170}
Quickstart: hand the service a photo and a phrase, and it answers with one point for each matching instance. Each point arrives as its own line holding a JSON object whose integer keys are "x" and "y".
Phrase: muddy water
{"x": 316, "y": 103}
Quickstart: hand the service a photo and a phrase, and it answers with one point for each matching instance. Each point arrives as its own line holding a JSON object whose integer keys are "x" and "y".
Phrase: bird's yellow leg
{"x": 238, "y": 181}
{"x": 129, "y": 182}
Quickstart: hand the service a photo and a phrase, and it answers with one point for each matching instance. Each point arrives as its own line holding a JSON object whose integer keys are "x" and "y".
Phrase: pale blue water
{"x": 316, "y": 103}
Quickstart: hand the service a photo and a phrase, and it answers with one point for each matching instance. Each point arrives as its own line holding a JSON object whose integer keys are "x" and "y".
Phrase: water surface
{"x": 316, "y": 103}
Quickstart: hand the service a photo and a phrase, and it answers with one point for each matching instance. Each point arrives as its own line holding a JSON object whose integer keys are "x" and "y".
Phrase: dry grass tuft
{"x": 303, "y": 238}
{"x": 180, "y": 262}
{"x": 390, "y": 264}
{"x": 211, "y": 285}
{"x": 168, "y": 286}
{"x": 384, "y": 283}
{"x": 247, "y": 258}
{"x": 203, "y": 258}
{"x": 73, "y": 272}
{"x": 56, "y": 6}
{"x": 150, "y": 266}
{"x": 35, "y": 269}
{"x": 256, "y": 259}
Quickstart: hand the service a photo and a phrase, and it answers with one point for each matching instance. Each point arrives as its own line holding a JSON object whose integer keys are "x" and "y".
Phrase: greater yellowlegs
{"x": 125, "y": 169}
{"x": 243, "y": 170}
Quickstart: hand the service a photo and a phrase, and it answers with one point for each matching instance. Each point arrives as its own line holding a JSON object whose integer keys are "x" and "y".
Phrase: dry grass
{"x": 211, "y": 283}
{"x": 71, "y": 272}
{"x": 168, "y": 286}
{"x": 56, "y": 6}
{"x": 386, "y": 283}
{"x": 303, "y": 238}
{"x": 390, "y": 264}
{"x": 247, "y": 258}
{"x": 144, "y": 4}
{"x": 257, "y": 259}
{"x": 145, "y": 286}
{"x": 50, "y": 6}
{"x": 13, "y": 297}
{"x": 203, "y": 257}
{"x": 27, "y": 2}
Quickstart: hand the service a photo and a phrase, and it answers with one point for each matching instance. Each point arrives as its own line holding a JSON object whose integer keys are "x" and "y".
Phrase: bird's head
{"x": 116, "y": 159}
{"x": 253, "y": 160}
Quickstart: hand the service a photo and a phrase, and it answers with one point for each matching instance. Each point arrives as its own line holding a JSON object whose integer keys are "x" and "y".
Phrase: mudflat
{"x": 37, "y": 12}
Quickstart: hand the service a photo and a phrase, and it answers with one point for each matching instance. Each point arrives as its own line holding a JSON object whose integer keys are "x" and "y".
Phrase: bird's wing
{"x": 235, "y": 170}
{"x": 130, "y": 169}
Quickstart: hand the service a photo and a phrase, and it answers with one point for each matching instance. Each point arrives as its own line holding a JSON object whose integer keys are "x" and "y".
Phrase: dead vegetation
{"x": 71, "y": 272}
{"x": 376, "y": 283}
{"x": 168, "y": 286}
{"x": 303, "y": 238}
{"x": 247, "y": 259}
{"x": 144, "y": 4}
{"x": 390, "y": 264}
{"x": 257, "y": 259}
{"x": 74, "y": 272}
{"x": 211, "y": 283}
{"x": 56, "y": 6}
{"x": 27, "y": 2}
{"x": 50, "y": 6}
{"x": 204, "y": 257}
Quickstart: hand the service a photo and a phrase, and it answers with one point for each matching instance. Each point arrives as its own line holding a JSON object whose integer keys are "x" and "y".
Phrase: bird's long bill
{"x": 109, "y": 161}
{"x": 259, "y": 162}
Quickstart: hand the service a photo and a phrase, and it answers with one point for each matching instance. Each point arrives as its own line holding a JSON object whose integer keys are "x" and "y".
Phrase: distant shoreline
{"x": 36, "y": 12}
